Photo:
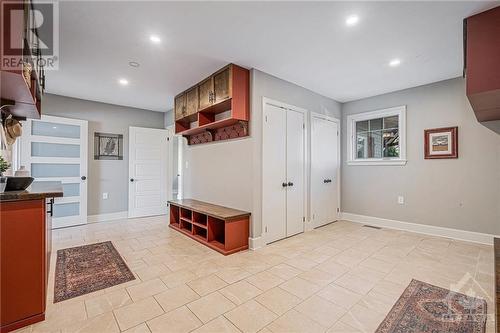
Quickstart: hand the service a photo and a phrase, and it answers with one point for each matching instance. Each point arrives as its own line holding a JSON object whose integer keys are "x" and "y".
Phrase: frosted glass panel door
{"x": 55, "y": 149}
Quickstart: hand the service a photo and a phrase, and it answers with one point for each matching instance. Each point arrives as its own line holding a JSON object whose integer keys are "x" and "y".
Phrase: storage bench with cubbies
{"x": 223, "y": 229}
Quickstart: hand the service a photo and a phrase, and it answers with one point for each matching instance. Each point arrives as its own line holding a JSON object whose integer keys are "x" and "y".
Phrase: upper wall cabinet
{"x": 215, "y": 109}
{"x": 22, "y": 77}
{"x": 482, "y": 63}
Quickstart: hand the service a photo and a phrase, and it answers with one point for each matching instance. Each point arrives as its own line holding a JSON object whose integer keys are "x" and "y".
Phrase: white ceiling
{"x": 305, "y": 43}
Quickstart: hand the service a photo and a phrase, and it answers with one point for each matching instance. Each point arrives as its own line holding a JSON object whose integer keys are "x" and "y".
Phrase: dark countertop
{"x": 220, "y": 212}
{"x": 39, "y": 190}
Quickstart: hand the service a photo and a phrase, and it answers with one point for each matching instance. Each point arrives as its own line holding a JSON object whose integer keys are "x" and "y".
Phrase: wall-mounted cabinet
{"x": 482, "y": 65}
{"x": 218, "y": 103}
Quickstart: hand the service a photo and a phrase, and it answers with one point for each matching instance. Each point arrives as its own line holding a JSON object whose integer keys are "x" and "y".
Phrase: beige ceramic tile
{"x": 207, "y": 284}
{"x": 278, "y": 300}
{"x": 218, "y": 325}
{"x": 146, "y": 289}
{"x": 180, "y": 320}
{"x": 294, "y": 321}
{"x": 340, "y": 327}
{"x": 178, "y": 278}
{"x": 318, "y": 277}
{"x": 355, "y": 283}
{"x": 265, "y": 280}
{"x": 340, "y": 296}
{"x": 142, "y": 328}
{"x": 232, "y": 275}
{"x": 151, "y": 272}
{"x": 240, "y": 292}
{"x": 284, "y": 271}
{"x": 321, "y": 311}
{"x": 210, "y": 307}
{"x": 250, "y": 317}
{"x": 176, "y": 297}
{"x": 300, "y": 287}
{"x": 103, "y": 323}
{"x": 107, "y": 302}
{"x": 136, "y": 313}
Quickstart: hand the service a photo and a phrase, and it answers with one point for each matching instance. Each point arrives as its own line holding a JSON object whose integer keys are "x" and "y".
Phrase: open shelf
{"x": 223, "y": 229}
{"x": 174, "y": 216}
{"x": 210, "y": 126}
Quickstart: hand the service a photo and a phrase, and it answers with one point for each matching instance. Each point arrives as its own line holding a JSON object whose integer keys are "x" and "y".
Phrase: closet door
{"x": 274, "y": 173}
{"x": 324, "y": 168}
{"x": 295, "y": 168}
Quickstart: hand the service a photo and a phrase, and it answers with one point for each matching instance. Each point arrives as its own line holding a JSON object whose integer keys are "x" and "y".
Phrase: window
{"x": 377, "y": 137}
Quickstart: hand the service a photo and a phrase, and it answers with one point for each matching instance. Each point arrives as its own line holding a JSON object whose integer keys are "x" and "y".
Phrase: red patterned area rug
{"x": 85, "y": 269}
{"x": 424, "y": 308}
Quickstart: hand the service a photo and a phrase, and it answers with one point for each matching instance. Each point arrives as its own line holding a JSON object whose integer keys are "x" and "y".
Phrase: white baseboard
{"x": 255, "y": 243}
{"x": 107, "y": 217}
{"x": 463, "y": 235}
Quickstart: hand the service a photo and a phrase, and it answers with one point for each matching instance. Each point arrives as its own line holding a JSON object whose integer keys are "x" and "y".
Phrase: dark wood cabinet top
{"x": 219, "y": 212}
{"x": 38, "y": 190}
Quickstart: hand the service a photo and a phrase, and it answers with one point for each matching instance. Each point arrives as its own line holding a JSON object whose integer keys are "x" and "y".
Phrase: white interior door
{"x": 324, "y": 171}
{"x": 55, "y": 149}
{"x": 295, "y": 170}
{"x": 283, "y": 173}
{"x": 274, "y": 173}
{"x": 148, "y": 172}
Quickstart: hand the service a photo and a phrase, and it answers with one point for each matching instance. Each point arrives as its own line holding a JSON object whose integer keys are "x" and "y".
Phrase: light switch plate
{"x": 401, "y": 200}
{"x": 105, "y": 195}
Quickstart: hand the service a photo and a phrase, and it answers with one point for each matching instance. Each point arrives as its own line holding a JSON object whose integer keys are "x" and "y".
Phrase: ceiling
{"x": 306, "y": 43}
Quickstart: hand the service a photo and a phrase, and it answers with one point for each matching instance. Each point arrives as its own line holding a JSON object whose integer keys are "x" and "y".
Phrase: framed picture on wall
{"x": 441, "y": 143}
{"x": 108, "y": 146}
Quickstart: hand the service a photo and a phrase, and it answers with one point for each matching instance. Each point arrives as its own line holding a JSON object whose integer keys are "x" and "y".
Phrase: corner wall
{"x": 229, "y": 173}
{"x": 104, "y": 175}
{"x": 461, "y": 193}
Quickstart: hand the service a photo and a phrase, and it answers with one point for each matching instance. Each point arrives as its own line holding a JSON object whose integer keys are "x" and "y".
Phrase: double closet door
{"x": 283, "y": 205}
{"x": 324, "y": 170}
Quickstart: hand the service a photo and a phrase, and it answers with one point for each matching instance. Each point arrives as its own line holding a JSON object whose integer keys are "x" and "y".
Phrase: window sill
{"x": 377, "y": 162}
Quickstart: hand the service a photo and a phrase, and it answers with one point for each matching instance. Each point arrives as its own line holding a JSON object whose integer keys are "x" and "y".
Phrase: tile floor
{"x": 339, "y": 278}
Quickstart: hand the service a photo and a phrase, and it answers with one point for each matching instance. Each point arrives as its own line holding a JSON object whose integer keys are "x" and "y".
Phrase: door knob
{"x": 132, "y": 180}
{"x": 290, "y": 184}
{"x": 284, "y": 185}
{"x": 83, "y": 177}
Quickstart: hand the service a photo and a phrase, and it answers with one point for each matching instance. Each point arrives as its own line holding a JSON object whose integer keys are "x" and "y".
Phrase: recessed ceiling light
{"x": 352, "y": 20}
{"x": 123, "y": 82}
{"x": 134, "y": 64}
{"x": 395, "y": 62}
{"x": 155, "y": 39}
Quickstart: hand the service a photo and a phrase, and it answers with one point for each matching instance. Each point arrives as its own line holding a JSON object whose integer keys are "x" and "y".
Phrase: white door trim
{"x": 306, "y": 136}
{"x": 339, "y": 146}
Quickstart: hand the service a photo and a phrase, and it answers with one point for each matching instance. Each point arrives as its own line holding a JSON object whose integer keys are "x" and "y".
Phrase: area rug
{"x": 85, "y": 269}
{"x": 426, "y": 308}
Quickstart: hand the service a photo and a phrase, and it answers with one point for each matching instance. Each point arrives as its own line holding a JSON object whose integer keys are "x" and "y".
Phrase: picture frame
{"x": 441, "y": 143}
{"x": 108, "y": 146}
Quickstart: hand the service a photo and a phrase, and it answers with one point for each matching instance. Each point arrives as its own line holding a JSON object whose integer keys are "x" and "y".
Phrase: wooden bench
{"x": 223, "y": 229}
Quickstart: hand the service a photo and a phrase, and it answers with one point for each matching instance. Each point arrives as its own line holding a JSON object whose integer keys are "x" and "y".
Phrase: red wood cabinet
{"x": 25, "y": 229}
{"x": 483, "y": 63}
{"x": 223, "y": 229}
{"x": 220, "y": 101}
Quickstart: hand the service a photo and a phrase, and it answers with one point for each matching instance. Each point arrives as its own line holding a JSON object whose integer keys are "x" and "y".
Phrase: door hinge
{"x": 266, "y": 228}
{"x": 303, "y": 126}
{"x": 168, "y": 139}
{"x": 266, "y": 119}
{"x": 303, "y": 218}
{"x": 338, "y": 210}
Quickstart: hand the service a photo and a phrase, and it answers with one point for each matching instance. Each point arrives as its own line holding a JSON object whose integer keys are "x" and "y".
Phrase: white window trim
{"x": 351, "y": 132}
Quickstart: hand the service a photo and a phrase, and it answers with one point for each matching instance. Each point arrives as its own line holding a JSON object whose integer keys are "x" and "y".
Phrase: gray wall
{"x": 461, "y": 193}
{"x": 104, "y": 176}
{"x": 229, "y": 173}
